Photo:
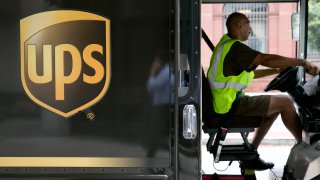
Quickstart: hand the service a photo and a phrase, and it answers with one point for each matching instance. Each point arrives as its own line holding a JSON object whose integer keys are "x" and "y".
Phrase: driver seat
{"x": 218, "y": 133}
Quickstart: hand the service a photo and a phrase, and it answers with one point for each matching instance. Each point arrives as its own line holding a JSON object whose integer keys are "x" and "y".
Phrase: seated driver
{"x": 231, "y": 70}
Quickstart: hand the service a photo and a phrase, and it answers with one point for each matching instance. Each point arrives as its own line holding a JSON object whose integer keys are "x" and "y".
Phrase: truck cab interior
{"x": 304, "y": 91}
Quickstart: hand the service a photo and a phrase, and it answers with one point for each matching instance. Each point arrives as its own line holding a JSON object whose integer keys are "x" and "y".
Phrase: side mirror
{"x": 295, "y": 23}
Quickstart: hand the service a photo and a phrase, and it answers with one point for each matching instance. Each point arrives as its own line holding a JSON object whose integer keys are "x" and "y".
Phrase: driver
{"x": 233, "y": 66}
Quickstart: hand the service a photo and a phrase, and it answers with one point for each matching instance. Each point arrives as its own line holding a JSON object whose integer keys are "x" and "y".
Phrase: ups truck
{"x": 103, "y": 89}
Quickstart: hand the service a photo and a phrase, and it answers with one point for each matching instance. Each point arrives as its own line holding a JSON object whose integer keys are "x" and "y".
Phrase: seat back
{"x": 207, "y": 100}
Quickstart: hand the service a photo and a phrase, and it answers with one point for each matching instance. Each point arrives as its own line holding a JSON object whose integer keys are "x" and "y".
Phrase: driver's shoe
{"x": 256, "y": 164}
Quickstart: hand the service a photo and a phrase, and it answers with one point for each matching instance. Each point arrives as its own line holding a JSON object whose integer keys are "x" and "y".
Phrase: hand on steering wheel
{"x": 311, "y": 68}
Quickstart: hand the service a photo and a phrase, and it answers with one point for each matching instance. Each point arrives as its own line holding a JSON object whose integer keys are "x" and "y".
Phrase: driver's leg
{"x": 279, "y": 104}
{"x": 263, "y": 129}
{"x": 284, "y": 105}
{"x": 258, "y": 163}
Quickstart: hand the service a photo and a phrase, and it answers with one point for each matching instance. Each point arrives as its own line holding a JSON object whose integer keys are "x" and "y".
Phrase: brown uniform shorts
{"x": 253, "y": 105}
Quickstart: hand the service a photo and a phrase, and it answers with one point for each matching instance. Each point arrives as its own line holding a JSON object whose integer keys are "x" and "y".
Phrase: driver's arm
{"x": 259, "y": 73}
{"x": 276, "y": 61}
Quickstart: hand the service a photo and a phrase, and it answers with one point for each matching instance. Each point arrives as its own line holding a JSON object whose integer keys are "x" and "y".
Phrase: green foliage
{"x": 314, "y": 25}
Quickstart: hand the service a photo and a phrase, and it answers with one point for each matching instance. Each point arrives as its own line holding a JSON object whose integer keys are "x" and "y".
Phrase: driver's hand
{"x": 311, "y": 69}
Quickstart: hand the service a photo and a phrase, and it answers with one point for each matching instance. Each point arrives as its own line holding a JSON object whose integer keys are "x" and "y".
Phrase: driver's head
{"x": 238, "y": 26}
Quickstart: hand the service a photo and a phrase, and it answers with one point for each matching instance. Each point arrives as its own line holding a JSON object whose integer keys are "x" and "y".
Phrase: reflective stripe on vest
{"x": 215, "y": 84}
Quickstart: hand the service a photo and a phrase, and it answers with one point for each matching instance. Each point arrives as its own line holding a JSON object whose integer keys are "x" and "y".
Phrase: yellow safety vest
{"x": 224, "y": 89}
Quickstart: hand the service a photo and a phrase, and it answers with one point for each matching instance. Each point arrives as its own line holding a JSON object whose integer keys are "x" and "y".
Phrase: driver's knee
{"x": 287, "y": 101}
{"x": 281, "y": 102}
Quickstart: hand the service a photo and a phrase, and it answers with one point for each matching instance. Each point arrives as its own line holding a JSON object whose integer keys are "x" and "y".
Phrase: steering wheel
{"x": 287, "y": 79}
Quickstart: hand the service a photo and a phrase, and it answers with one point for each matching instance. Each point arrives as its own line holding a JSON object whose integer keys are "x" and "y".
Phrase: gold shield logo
{"x": 65, "y": 59}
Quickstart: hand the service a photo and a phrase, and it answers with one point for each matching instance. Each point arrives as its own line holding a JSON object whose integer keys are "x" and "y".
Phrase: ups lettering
{"x": 62, "y": 79}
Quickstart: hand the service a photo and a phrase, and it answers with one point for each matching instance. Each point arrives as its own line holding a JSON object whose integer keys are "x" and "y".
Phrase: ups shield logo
{"x": 65, "y": 59}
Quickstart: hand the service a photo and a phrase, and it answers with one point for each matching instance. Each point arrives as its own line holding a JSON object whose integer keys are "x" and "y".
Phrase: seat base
{"x": 237, "y": 153}
{"x": 222, "y": 152}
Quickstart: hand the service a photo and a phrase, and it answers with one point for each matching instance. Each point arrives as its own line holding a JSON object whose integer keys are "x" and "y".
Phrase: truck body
{"x": 114, "y": 127}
